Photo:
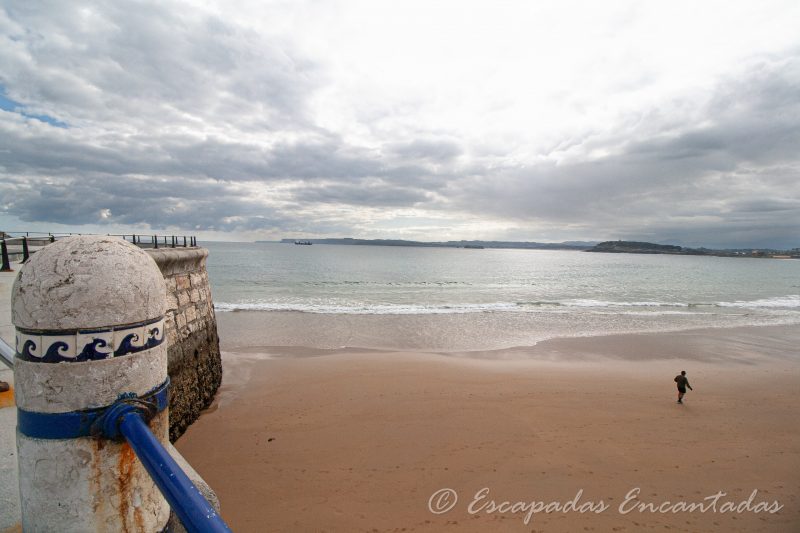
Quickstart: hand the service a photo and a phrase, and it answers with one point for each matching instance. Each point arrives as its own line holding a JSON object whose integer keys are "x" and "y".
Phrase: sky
{"x": 666, "y": 121}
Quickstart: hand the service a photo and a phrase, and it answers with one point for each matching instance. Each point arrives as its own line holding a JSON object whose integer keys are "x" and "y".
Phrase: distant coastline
{"x": 568, "y": 245}
{"x": 617, "y": 247}
{"x": 637, "y": 247}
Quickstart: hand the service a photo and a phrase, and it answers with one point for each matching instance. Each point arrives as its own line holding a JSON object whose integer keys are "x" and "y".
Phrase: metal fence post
{"x": 100, "y": 338}
{"x": 25, "y": 253}
{"x": 6, "y": 265}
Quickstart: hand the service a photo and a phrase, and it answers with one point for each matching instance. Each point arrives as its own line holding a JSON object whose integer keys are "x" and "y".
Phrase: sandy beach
{"x": 360, "y": 440}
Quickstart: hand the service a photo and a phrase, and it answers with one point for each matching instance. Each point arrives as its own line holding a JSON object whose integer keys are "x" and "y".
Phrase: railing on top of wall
{"x": 24, "y": 243}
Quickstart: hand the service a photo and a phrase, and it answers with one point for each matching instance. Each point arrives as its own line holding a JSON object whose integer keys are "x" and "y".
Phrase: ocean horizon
{"x": 489, "y": 298}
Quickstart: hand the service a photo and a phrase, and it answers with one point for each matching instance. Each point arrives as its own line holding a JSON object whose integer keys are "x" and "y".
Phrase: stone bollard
{"x": 89, "y": 314}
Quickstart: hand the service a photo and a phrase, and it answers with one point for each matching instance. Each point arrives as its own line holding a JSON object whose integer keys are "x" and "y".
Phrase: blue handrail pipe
{"x": 7, "y": 354}
{"x": 195, "y": 513}
{"x": 126, "y": 419}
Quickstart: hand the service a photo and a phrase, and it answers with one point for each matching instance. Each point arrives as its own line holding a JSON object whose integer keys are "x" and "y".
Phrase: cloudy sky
{"x": 674, "y": 122}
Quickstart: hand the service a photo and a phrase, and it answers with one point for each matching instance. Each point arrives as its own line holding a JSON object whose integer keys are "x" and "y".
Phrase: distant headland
{"x": 618, "y": 247}
{"x": 568, "y": 245}
{"x": 637, "y": 247}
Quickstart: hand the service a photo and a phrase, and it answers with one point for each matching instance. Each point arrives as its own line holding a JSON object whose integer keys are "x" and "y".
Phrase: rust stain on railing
{"x": 128, "y": 466}
{"x": 127, "y": 458}
{"x": 97, "y": 477}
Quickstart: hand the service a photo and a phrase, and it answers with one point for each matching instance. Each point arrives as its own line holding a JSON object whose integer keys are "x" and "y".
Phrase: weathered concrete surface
{"x": 9, "y": 479}
{"x": 195, "y": 367}
{"x": 60, "y": 388}
{"x": 87, "y": 484}
{"x": 118, "y": 285}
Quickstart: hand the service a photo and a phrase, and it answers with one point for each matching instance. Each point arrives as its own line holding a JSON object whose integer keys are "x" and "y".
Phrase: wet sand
{"x": 358, "y": 440}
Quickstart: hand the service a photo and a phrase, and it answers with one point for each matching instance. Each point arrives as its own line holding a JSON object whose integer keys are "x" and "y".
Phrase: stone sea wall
{"x": 195, "y": 368}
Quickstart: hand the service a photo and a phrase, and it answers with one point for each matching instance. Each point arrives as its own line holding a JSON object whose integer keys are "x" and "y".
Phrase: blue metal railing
{"x": 6, "y": 354}
{"x": 27, "y": 242}
{"x": 195, "y": 513}
{"x": 127, "y": 419}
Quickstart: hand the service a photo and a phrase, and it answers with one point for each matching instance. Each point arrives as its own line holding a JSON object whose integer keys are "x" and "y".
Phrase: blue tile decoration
{"x": 29, "y": 345}
{"x": 128, "y": 341}
{"x": 58, "y": 349}
{"x": 154, "y": 335}
{"x": 43, "y": 346}
{"x": 95, "y": 345}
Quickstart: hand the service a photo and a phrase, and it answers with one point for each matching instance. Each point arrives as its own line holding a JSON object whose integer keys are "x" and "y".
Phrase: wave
{"x": 792, "y": 302}
{"x": 370, "y": 309}
{"x": 603, "y": 303}
{"x": 324, "y": 283}
{"x": 789, "y": 303}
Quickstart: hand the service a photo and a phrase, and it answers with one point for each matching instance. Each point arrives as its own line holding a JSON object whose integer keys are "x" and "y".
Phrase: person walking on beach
{"x": 682, "y": 382}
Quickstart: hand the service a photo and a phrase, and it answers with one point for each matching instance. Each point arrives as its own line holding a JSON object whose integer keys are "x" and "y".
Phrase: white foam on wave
{"x": 791, "y": 302}
{"x": 788, "y": 303}
{"x": 604, "y": 303}
{"x": 368, "y": 309}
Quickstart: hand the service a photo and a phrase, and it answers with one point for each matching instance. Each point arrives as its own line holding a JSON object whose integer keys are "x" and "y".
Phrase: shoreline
{"x": 776, "y": 339}
{"x": 359, "y": 439}
{"x": 442, "y": 333}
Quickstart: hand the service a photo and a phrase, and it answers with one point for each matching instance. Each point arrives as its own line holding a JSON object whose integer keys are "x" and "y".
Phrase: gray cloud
{"x": 739, "y": 167}
{"x": 174, "y": 202}
{"x": 433, "y": 150}
{"x": 372, "y": 193}
{"x": 148, "y": 61}
{"x": 176, "y": 116}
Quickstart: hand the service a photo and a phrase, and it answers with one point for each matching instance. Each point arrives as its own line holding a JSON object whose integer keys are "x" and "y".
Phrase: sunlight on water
{"x": 518, "y": 296}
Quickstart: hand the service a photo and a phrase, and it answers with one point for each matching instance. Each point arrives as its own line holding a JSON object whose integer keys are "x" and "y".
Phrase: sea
{"x": 335, "y": 296}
